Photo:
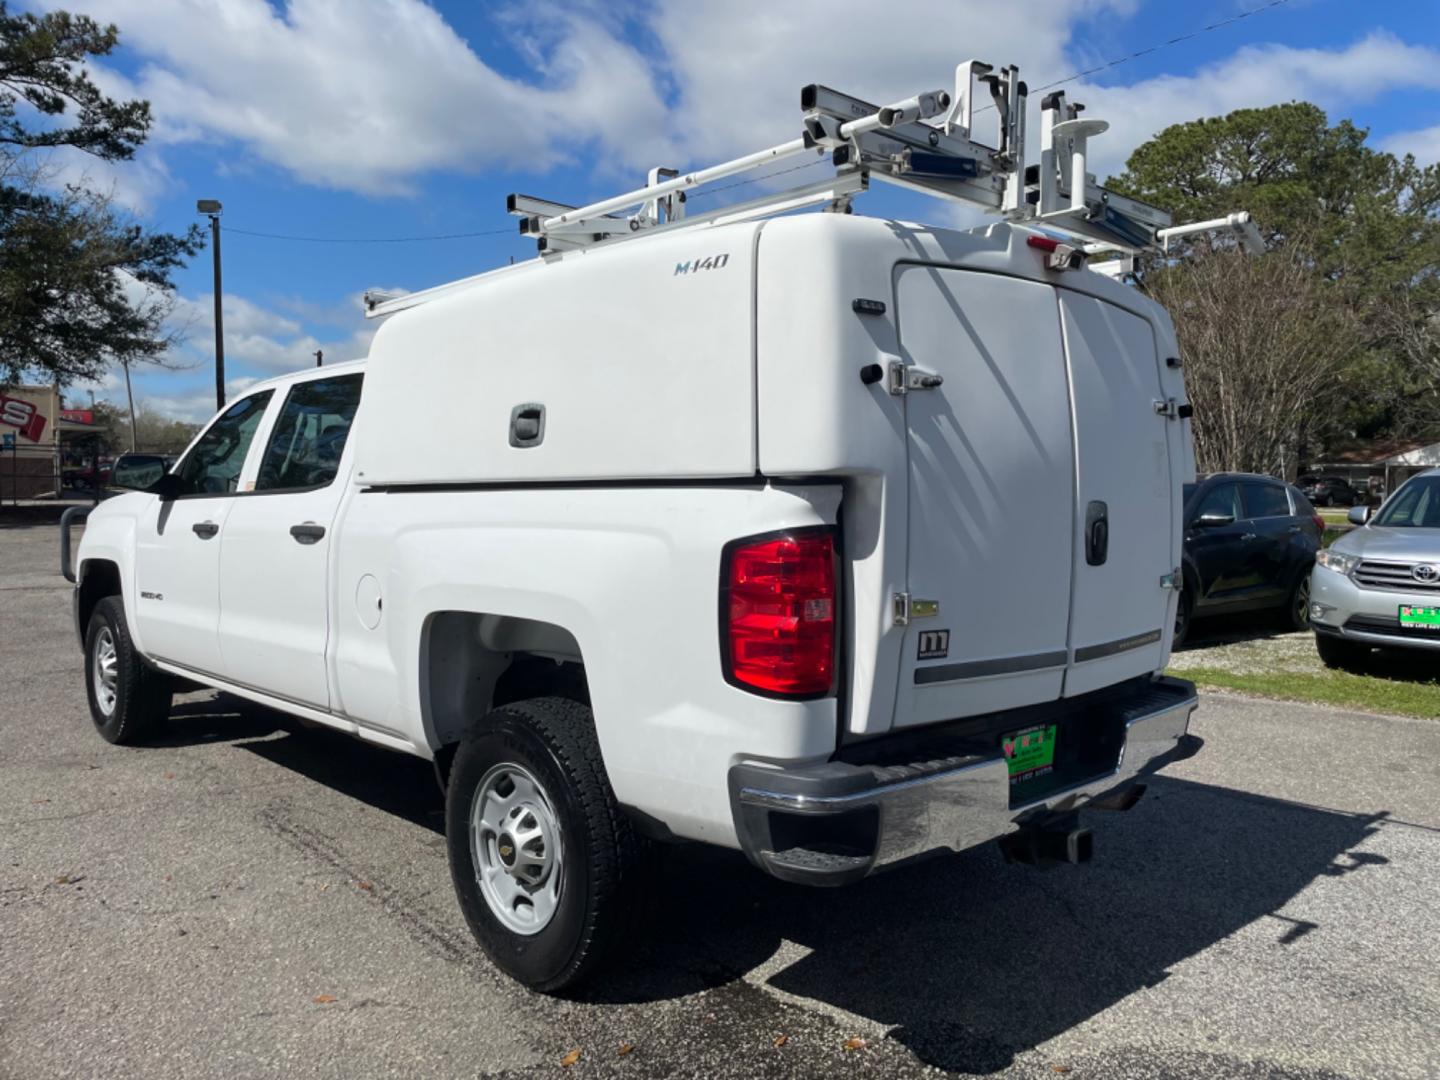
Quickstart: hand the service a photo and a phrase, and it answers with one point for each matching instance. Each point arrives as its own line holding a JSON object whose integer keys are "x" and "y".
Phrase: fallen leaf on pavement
{"x": 169, "y": 776}
{"x": 325, "y": 999}
{"x": 855, "y": 1043}
{"x": 570, "y": 1059}
{"x": 38, "y": 802}
{"x": 781, "y": 1040}
{"x": 69, "y": 879}
{"x": 1060, "y": 1068}
{"x": 364, "y": 885}
{"x": 625, "y": 1048}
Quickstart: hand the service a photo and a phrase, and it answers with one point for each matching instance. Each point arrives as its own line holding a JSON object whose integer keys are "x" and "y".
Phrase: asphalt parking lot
{"x": 250, "y": 898}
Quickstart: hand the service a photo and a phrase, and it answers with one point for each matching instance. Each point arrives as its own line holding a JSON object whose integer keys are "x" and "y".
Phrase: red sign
{"x": 22, "y": 414}
{"x": 78, "y": 416}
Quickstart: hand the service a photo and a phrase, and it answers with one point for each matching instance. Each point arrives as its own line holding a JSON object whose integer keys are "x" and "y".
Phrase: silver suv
{"x": 1380, "y": 584}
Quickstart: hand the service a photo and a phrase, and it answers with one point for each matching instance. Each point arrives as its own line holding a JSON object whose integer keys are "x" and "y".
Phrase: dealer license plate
{"x": 1029, "y": 753}
{"x": 1423, "y": 618}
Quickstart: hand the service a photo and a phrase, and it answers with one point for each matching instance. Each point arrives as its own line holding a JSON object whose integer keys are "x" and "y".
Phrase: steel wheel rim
{"x": 516, "y": 848}
{"x": 106, "y": 671}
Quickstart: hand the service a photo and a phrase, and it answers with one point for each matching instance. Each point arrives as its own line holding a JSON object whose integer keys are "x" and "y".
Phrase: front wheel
{"x": 129, "y": 700}
{"x": 545, "y": 865}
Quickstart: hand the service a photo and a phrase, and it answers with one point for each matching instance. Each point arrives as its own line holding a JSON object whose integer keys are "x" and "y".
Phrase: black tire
{"x": 553, "y": 740}
{"x": 1297, "y": 610}
{"x": 1337, "y": 652}
{"x": 139, "y": 699}
{"x": 1184, "y": 616}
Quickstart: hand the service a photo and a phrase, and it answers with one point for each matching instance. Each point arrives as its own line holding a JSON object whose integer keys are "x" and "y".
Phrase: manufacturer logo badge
{"x": 1425, "y": 572}
{"x": 934, "y": 644}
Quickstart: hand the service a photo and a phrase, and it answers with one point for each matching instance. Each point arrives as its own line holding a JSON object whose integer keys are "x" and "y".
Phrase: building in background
{"x": 39, "y": 440}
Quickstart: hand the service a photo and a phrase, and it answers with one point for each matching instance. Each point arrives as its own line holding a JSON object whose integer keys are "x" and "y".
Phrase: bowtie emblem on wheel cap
{"x": 1426, "y": 572}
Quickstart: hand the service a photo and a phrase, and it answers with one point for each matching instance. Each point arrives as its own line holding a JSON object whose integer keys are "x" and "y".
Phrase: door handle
{"x": 1097, "y": 533}
{"x": 205, "y": 529}
{"x": 1294, "y": 528}
{"x": 1249, "y": 536}
{"x": 307, "y": 532}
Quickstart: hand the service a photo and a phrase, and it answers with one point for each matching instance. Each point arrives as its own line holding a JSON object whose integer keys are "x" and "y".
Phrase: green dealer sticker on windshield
{"x": 1029, "y": 753}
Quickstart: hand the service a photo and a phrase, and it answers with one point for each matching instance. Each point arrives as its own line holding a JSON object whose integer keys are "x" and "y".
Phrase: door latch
{"x": 906, "y": 377}
{"x": 1174, "y": 410}
{"x": 903, "y": 608}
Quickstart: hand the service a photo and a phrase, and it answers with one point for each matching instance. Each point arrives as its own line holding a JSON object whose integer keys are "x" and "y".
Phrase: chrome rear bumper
{"x": 833, "y": 823}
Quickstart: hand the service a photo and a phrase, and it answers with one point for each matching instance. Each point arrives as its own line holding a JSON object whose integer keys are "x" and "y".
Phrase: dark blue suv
{"x": 1250, "y": 542}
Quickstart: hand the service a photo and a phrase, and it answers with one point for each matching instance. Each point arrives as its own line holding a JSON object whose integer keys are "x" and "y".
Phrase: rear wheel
{"x": 1337, "y": 652}
{"x": 129, "y": 700}
{"x": 1298, "y": 611}
{"x": 546, "y": 867}
{"x": 1184, "y": 612}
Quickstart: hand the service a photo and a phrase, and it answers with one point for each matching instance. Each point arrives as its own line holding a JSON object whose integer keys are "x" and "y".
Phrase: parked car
{"x": 1379, "y": 584}
{"x": 88, "y": 476}
{"x": 1250, "y": 542}
{"x": 1331, "y": 491}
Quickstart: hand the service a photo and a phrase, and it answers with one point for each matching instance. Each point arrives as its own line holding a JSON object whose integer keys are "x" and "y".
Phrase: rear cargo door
{"x": 1127, "y": 512}
{"x": 992, "y": 494}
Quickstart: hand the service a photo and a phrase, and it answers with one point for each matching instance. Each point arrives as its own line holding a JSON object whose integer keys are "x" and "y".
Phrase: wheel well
{"x": 99, "y": 578}
{"x": 471, "y": 663}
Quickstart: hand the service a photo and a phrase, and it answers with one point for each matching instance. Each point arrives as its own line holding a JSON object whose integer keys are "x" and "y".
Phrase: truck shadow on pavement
{"x": 965, "y": 960}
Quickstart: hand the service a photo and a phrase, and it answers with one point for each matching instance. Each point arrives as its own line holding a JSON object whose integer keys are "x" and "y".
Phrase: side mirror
{"x": 167, "y": 487}
{"x": 1214, "y": 521}
{"x": 1358, "y": 515}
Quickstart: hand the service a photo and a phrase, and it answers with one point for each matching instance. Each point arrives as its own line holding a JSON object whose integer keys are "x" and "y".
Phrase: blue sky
{"x": 374, "y": 119}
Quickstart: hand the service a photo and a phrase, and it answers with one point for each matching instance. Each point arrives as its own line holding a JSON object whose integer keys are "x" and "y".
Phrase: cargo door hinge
{"x": 1174, "y": 410}
{"x": 1173, "y": 580}
{"x": 905, "y": 377}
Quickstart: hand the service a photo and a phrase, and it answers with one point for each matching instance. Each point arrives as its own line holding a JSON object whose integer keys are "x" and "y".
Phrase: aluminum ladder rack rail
{"x": 925, "y": 143}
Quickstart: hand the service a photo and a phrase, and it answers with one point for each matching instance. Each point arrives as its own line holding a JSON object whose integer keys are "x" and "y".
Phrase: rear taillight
{"x": 777, "y": 613}
{"x": 1319, "y": 523}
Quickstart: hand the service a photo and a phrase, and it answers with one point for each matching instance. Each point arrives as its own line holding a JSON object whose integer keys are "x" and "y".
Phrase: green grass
{"x": 1351, "y": 690}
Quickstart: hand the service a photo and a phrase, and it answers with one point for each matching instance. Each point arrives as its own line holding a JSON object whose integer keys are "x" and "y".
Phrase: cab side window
{"x": 213, "y": 465}
{"x": 310, "y": 434}
{"x": 1266, "y": 501}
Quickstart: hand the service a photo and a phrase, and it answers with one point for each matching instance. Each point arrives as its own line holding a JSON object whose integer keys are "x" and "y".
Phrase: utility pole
{"x": 319, "y": 357}
{"x": 212, "y": 208}
{"x": 131, "y": 395}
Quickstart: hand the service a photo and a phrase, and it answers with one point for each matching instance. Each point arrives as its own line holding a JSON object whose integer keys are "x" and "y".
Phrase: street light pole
{"x": 212, "y": 208}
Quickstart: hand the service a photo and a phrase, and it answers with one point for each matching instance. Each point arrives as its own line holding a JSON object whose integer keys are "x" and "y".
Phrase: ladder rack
{"x": 925, "y": 143}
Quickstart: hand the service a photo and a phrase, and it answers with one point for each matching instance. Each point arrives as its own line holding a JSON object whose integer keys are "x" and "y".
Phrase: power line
{"x": 1160, "y": 45}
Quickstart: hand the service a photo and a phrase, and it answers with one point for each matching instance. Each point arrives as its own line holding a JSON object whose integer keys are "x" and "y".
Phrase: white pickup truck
{"x": 836, "y": 540}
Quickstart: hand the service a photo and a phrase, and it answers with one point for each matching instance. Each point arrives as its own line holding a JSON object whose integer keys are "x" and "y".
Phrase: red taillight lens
{"x": 1319, "y": 523}
{"x": 778, "y": 613}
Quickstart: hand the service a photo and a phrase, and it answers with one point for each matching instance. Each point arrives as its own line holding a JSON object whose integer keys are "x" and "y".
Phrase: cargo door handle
{"x": 1097, "y": 533}
{"x": 307, "y": 532}
{"x": 205, "y": 529}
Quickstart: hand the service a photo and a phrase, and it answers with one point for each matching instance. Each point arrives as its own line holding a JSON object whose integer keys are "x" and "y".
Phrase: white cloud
{"x": 1424, "y": 144}
{"x": 366, "y": 95}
